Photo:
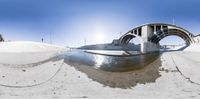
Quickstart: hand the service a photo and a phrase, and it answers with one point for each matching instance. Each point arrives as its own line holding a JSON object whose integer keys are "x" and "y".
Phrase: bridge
{"x": 151, "y": 34}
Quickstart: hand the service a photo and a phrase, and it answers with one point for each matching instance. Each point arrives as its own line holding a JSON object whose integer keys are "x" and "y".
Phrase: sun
{"x": 99, "y": 38}
{"x": 99, "y": 31}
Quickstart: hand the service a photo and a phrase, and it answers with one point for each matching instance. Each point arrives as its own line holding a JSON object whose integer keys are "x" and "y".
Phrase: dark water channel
{"x": 114, "y": 71}
{"x": 110, "y": 63}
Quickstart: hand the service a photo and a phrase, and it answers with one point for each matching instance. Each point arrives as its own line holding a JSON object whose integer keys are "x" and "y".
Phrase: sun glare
{"x": 99, "y": 31}
{"x": 99, "y": 38}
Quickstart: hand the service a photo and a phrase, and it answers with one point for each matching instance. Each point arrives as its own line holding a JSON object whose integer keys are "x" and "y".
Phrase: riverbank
{"x": 84, "y": 82}
{"x": 26, "y": 64}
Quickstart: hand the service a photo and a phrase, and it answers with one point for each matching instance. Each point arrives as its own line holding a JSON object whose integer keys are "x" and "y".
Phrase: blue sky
{"x": 98, "y": 21}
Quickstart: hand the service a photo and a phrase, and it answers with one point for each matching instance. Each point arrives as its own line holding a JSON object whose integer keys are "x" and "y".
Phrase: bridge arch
{"x": 125, "y": 39}
{"x": 151, "y": 34}
{"x": 170, "y": 32}
{"x": 154, "y": 32}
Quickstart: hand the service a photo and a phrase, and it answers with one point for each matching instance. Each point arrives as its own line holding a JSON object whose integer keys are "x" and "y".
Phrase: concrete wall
{"x": 193, "y": 48}
{"x": 197, "y": 39}
{"x": 1, "y": 38}
{"x": 149, "y": 47}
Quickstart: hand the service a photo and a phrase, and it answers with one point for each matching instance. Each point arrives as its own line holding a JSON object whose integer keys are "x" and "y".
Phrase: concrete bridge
{"x": 151, "y": 34}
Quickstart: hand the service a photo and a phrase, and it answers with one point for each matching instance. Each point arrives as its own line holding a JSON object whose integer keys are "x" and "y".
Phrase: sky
{"x": 78, "y": 22}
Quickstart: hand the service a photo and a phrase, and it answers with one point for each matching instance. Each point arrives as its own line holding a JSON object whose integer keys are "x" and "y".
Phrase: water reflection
{"x": 99, "y": 61}
{"x": 110, "y": 63}
{"x": 116, "y": 72}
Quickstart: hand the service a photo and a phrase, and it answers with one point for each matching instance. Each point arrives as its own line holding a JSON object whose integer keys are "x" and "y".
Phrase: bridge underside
{"x": 127, "y": 39}
{"x": 162, "y": 34}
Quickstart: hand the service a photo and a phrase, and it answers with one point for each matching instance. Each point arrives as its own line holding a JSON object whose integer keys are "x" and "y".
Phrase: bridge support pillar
{"x": 147, "y": 47}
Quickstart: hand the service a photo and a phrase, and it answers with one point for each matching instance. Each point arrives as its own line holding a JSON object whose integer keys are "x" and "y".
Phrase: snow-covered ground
{"x": 174, "y": 75}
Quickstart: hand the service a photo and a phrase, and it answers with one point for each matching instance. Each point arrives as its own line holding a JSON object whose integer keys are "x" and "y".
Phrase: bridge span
{"x": 151, "y": 34}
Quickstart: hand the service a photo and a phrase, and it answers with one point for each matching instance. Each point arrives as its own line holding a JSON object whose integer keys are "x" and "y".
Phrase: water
{"x": 110, "y": 63}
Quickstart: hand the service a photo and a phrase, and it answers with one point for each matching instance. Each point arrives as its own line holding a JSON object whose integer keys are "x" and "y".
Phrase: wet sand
{"x": 123, "y": 80}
